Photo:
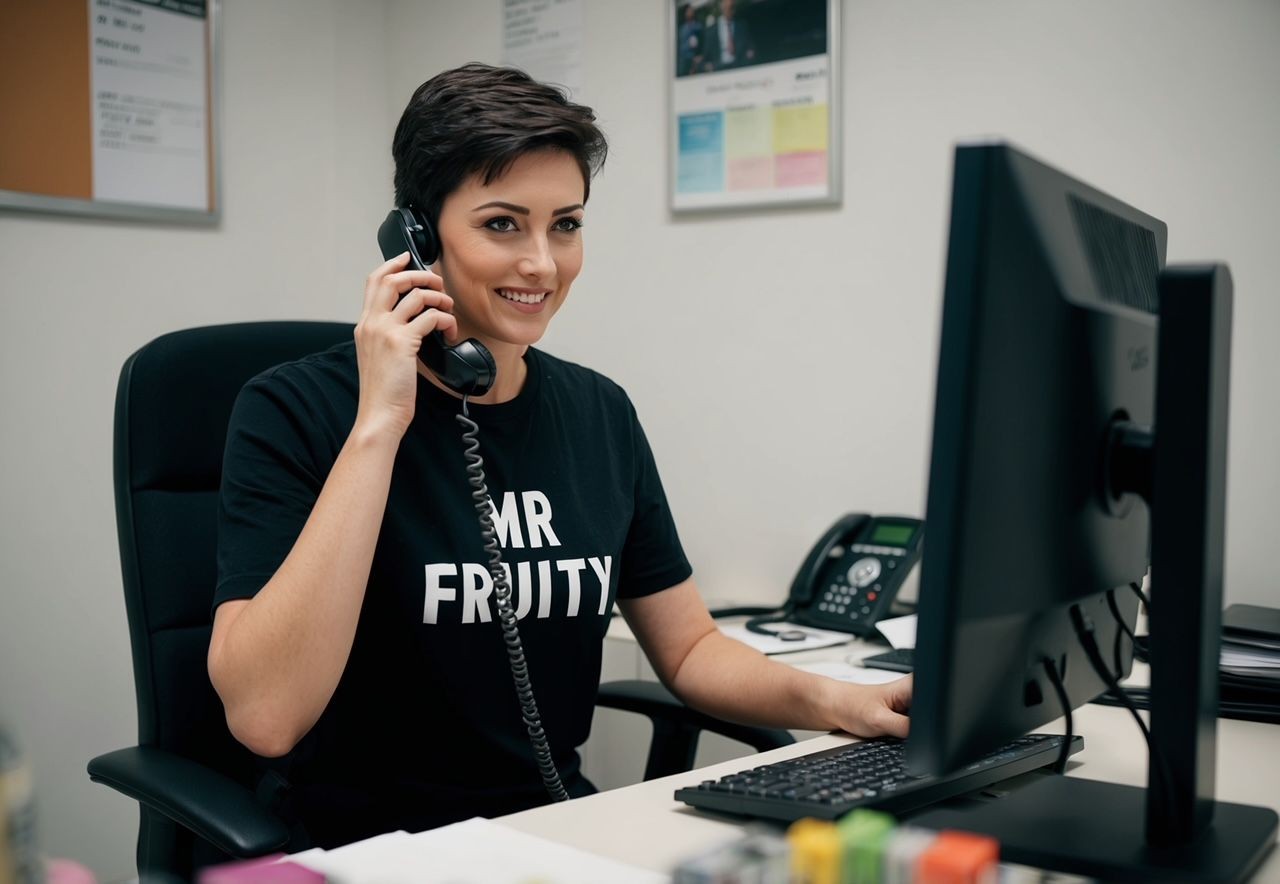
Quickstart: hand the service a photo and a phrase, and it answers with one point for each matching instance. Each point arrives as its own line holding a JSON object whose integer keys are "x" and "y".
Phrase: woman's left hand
{"x": 874, "y": 710}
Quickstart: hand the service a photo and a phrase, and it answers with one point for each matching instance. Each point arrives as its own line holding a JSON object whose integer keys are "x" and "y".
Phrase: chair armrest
{"x": 676, "y": 726}
{"x": 211, "y": 805}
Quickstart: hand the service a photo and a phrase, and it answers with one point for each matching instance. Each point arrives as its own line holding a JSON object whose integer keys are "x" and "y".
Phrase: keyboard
{"x": 897, "y": 660}
{"x": 830, "y": 783}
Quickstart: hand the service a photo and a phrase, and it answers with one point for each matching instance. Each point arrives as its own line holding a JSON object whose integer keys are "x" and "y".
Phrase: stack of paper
{"x": 476, "y": 851}
{"x": 1251, "y": 657}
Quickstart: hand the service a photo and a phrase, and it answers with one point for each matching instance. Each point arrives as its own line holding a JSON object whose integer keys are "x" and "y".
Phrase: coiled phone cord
{"x": 506, "y": 615}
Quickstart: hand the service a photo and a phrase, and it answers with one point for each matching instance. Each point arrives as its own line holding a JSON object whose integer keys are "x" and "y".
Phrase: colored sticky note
{"x": 748, "y": 132}
{"x": 700, "y": 160}
{"x": 800, "y": 169}
{"x": 751, "y": 173}
{"x": 800, "y": 128}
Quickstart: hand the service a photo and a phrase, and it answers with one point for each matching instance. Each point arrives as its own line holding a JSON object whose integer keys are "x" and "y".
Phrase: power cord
{"x": 1124, "y": 630}
{"x": 1088, "y": 640}
{"x": 1140, "y": 649}
{"x": 1055, "y": 679}
{"x": 506, "y": 614}
{"x": 1142, "y": 596}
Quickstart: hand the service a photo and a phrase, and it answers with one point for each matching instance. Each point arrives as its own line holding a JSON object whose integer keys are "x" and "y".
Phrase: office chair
{"x": 201, "y": 794}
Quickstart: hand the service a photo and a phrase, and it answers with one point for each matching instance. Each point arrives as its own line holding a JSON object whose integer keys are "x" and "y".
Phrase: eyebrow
{"x": 521, "y": 210}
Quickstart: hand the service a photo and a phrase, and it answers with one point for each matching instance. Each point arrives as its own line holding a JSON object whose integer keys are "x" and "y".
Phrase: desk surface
{"x": 644, "y": 826}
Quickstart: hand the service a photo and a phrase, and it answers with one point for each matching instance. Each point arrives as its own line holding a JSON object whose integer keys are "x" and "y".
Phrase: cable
{"x": 756, "y": 624}
{"x": 1088, "y": 641}
{"x": 1061, "y": 689}
{"x": 1122, "y": 631}
{"x": 1139, "y": 641}
{"x": 1115, "y": 612}
{"x": 506, "y": 615}
{"x": 1137, "y": 588}
{"x": 742, "y": 611}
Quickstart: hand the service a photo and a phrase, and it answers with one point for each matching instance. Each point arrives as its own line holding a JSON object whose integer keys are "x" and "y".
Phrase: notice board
{"x": 109, "y": 108}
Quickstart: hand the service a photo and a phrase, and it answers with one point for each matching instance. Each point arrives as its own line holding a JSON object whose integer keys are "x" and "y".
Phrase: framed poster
{"x": 110, "y": 108}
{"x": 754, "y": 105}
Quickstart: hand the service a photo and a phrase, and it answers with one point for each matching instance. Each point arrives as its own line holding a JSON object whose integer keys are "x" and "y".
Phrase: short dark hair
{"x": 480, "y": 119}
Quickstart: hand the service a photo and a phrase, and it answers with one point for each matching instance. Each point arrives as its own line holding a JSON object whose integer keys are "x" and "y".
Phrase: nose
{"x": 536, "y": 262}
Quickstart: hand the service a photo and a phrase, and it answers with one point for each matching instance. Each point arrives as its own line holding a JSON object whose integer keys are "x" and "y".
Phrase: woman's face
{"x": 511, "y": 249}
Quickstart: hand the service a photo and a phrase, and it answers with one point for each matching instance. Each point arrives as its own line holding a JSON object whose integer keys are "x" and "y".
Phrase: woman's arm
{"x": 276, "y": 659}
{"x": 725, "y": 678}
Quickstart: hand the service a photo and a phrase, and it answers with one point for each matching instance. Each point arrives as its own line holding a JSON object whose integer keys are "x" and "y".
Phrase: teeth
{"x": 522, "y": 297}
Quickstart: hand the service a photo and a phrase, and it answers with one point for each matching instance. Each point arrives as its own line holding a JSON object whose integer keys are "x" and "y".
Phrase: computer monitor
{"x": 1065, "y": 345}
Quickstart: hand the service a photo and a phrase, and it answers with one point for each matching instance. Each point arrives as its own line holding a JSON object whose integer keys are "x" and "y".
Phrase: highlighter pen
{"x": 865, "y": 833}
{"x": 816, "y": 852}
{"x": 959, "y": 858}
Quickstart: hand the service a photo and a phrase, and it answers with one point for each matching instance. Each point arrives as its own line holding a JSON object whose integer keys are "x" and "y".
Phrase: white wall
{"x": 783, "y": 362}
{"x": 306, "y": 179}
{"x": 811, "y": 333}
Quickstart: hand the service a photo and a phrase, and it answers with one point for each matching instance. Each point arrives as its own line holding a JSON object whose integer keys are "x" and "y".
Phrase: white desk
{"x": 644, "y": 826}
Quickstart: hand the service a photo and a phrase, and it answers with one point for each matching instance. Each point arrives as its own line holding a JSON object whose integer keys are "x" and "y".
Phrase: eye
{"x": 501, "y": 224}
{"x": 568, "y": 225}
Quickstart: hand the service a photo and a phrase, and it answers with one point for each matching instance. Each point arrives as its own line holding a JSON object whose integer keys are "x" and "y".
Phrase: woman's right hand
{"x": 388, "y": 337}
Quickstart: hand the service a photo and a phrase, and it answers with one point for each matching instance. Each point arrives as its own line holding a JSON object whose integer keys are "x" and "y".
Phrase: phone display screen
{"x": 892, "y": 535}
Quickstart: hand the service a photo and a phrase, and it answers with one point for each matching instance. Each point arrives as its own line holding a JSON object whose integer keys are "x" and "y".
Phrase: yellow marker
{"x": 817, "y": 852}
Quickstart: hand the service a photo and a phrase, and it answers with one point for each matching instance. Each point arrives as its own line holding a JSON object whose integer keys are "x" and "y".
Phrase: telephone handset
{"x": 850, "y": 577}
{"x": 466, "y": 368}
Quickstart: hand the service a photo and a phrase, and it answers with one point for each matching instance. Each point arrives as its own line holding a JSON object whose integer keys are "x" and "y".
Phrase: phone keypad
{"x": 856, "y": 590}
{"x": 867, "y": 549}
{"x": 853, "y": 593}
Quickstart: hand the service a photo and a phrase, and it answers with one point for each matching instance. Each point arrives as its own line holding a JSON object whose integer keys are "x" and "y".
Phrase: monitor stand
{"x": 1174, "y": 827}
{"x": 1084, "y": 827}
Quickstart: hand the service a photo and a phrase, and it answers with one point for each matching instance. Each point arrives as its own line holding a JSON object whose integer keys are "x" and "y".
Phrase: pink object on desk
{"x": 267, "y": 870}
{"x": 65, "y": 871}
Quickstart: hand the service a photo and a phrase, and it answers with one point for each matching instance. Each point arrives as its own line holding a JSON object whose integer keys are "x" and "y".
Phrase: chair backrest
{"x": 172, "y": 407}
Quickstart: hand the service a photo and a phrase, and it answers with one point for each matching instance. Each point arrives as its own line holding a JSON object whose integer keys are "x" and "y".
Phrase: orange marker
{"x": 959, "y": 858}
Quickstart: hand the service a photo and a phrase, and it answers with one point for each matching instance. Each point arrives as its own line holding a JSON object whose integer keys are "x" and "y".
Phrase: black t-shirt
{"x": 424, "y": 727}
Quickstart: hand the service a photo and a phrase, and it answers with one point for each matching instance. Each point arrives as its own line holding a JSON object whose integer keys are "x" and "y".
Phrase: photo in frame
{"x": 753, "y": 103}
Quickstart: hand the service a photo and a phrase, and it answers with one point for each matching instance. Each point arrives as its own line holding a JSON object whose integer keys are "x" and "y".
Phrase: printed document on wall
{"x": 544, "y": 39}
{"x": 150, "y": 99}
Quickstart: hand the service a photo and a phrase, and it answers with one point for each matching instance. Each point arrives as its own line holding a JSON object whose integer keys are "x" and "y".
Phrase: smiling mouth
{"x": 522, "y": 297}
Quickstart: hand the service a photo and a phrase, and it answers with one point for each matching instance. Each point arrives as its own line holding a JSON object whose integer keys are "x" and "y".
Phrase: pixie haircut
{"x": 481, "y": 119}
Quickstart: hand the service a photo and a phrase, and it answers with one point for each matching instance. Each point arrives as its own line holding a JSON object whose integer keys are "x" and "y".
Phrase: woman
{"x": 354, "y": 631}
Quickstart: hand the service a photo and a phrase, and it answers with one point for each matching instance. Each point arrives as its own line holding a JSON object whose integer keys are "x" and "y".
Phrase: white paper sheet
{"x": 851, "y": 674}
{"x": 149, "y": 85}
{"x": 900, "y": 631}
{"x": 544, "y": 39}
{"x": 477, "y": 851}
